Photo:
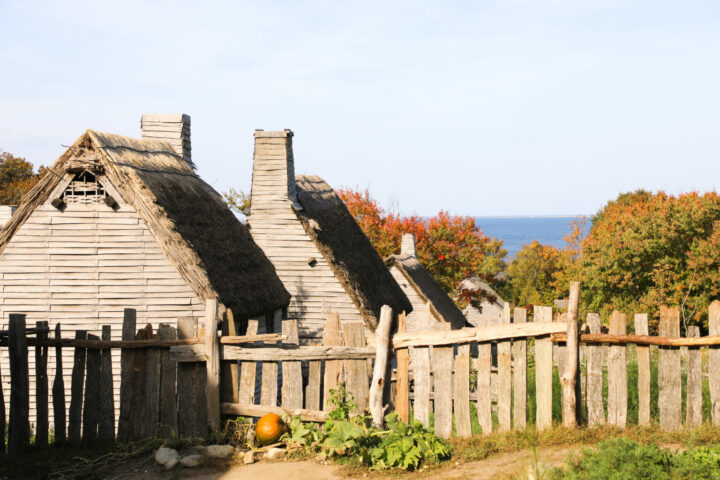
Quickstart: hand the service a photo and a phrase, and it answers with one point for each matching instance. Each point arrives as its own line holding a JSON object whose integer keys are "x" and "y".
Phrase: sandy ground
{"x": 496, "y": 467}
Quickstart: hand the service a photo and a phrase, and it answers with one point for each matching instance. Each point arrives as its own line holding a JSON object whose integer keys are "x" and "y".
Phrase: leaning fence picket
{"x": 58, "y": 391}
{"x": 669, "y": 375}
{"x": 461, "y": 391}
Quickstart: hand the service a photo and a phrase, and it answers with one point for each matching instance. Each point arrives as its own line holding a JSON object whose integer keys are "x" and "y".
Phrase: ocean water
{"x": 518, "y": 231}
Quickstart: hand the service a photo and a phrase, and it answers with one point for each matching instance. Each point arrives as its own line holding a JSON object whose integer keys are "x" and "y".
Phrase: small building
{"x": 423, "y": 291}
{"x": 120, "y": 223}
{"x": 490, "y": 310}
{"x": 318, "y": 249}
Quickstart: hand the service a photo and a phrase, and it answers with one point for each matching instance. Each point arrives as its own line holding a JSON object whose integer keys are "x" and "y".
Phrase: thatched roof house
{"x": 423, "y": 290}
{"x": 121, "y": 222}
{"x": 490, "y": 310}
{"x": 318, "y": 249}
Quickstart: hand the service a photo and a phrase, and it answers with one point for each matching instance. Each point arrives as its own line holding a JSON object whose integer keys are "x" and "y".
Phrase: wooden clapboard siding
{"x": 81, "y": 268}
{"x": 413, "y": 321}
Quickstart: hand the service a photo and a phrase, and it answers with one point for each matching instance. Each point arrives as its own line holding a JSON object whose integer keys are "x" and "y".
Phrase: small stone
{"x": 219, "y": 451}
{"x": 167, "y": 457}
{"x": 191, "y": 461}
{"x": 275, "y": 453}
{"x": 249, "y": 457}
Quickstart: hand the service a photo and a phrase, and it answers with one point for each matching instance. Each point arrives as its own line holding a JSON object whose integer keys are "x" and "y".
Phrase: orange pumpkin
{"x": 269, "y": 429}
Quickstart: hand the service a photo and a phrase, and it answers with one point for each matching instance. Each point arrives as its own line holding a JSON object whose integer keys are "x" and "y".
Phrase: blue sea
{"x": 518, "y": 231}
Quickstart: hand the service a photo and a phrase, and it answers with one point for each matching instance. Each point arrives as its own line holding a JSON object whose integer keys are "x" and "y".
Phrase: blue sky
{"x": 505, "y": 107}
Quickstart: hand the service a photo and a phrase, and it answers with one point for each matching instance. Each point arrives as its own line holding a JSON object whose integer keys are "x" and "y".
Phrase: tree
{"x": 450, "y": 247}
{"x": 644, "y": 250}
{"x": 238, "y": 202}
{"x": 532, "y": 275}
{"x": 16, "y": 178}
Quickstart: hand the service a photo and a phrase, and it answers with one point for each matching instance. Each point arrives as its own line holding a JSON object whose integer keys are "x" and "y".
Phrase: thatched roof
{"x": 442, "y": 306}
{"x": 212, "y": 250}
{"x": 476, "y": 284}
{"x": 345, "y": 247}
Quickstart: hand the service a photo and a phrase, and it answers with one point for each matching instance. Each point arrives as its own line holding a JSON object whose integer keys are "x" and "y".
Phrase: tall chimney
{"x": 407, "y": 246}
{"x": 273, "y": 182}
{"x": 173, "y": 128}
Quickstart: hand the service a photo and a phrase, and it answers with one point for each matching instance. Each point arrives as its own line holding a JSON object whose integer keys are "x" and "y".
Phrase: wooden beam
{"x": 249, "y": 410}
{"x": 642, "y": 340}
{"x": 485, "y": 334}
{"x": 243, "y": 339}
{"x": 292, "y": 353}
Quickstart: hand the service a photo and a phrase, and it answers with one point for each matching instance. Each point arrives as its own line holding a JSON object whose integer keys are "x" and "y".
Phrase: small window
{"x": 84, "y": 189}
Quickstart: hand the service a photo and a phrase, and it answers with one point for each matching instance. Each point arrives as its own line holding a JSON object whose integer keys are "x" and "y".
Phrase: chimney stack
{"x": 407, "y": 246}
{"x": 173, "y": 128}
{"x": 273, "y": 182}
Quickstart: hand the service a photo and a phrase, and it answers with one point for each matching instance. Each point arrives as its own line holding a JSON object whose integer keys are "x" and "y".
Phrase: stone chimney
{"x": 173, "y": 128}
{"x": 273, "y": 182}
{"x": 407, "y": 246}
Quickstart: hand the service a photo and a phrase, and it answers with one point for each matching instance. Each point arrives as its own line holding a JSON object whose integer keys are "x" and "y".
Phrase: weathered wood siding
{"x": 418, "y": 304}
{"x": 81, "y": 268}
{"x": 491, "y": 314}
{"x": 277, "y": 230}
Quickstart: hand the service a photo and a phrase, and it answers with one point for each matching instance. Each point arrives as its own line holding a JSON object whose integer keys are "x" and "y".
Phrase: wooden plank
{"x": 693, "y": 412}
{"x": 41, "y": 388}
{"x": 356, "y": 371}
{"x": 229, "y": 375}
{"x": 442, "y": 394}
{"x": 168, "y": 378}
{"x": 461, "y": 392}
{"x": 77, "y": 384}
{"x": 126, "y": 376}
{"x": 402, "y": 384}
{"x": 519, "y": 358}
{"x": 152, "y": 387}
{"x": 190, "y": 388}
{"x": 543, "y": 371}
{"x": 292, "y": 394}
{"x": 286, "y": 353}
{"x": 595, "y": 362}
{"x": 58, "y": 393}
{"x": 312, "y": 390}
{"x": 139, "y": 412}
{"x": 246, "y": 392}
{"x": 333, "y": 368}
{"x": 379, "y": 379}
{"x": 669, "y": 373}
{"x": 504, "y": 399}
{"x": 212, "y": 364}
{"x": 617, "y": 374}
{"x": 106, "y": 420}
{"x": 714, "y": 362}
{"x": 2, "y": 415}
{"x": 421, "y": 376}
{"x": 250, "y": 410}
{"x": 570, "y": 375}
{"x": 485, "y": 334}
{"x": 269, "y": 381}
{"x": 244, "y": 339}
{"x": 643, "y": 359}
{"x": 19, "y": 428}
{"x": 91, "y": 410}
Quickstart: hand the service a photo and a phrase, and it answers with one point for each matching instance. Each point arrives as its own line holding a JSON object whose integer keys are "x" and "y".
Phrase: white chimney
{"x": 407, "y": 246}
{"x": 273, "y": 182}
{"x": 173, "y": 128}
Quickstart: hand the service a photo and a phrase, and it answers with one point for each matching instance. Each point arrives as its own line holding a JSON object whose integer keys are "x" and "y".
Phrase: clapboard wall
{"x": 81, "y": 268}
{"x": 276, "y": 228}
{"x": 416, "y": 320}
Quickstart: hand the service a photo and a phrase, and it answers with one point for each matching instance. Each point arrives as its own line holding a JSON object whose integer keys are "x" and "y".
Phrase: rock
{"x": 192, "y": 461}
{"x": 219, "y": 451}
{"x": 167, "y": 457}
{"x": 249, "y": 457}
{"x": 275, "y": 453}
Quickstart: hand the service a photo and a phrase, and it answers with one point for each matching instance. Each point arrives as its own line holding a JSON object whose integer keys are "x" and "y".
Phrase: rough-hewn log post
{"x": 402, "y": 387}
{"x": 569, "y": 380}
{"x": 714, "y": 362}
{"x": 212, "y": 364}
{"x": 382, "y": 335}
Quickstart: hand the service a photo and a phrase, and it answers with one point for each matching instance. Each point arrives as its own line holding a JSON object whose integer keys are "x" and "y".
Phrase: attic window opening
{"x": 84, "y": 189}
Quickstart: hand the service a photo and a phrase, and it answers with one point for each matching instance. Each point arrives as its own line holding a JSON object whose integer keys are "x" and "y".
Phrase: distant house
{"x": 318, "y": 249}
{"x": 121, "y": 222}
{"x": 490, "y": 311}
{"x": 423, "y": 290}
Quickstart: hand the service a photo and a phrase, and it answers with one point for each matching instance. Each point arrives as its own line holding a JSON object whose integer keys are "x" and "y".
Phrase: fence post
{"x": 58, "y": 391}
{"x": 19, "y": 431}
{"x": 714, "y": 362}
{"x": 2, "y": 416}
{"x": 76, "y": 389}
{"x": 543, "y": 372}
{"x": 504, "y": 383}
{"x": 595, "y": 360}
{"x": 41, "y": 386}
{"x": 377, "y": 387}
{"x": 461, "y": 391}
{"x": 212, "y": 351}
{"x": 168, "y": 379}
{"x": 693, "y": 417}
{"x": 569, "y": 378}
{"x": 356, "y": 371}
{"x": 246, "y": 393}
{"x": 617, "y": 374}
{"x": 643, "y": 355}
{"x": 402, "y": 384}
{"x": 669, "y": 374}
{"x": 126, "y": 376}
{"x": 106, "y": 419}
{"x": 91, "y": 410}
{"x": 519, "y": 355}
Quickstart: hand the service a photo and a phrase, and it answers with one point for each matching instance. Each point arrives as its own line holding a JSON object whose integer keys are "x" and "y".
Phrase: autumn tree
{"x": 16, "y": 178}
{"x": 237, "y": 201}
{"x": 645, "y": 250}
{"x": 532, "y": 275}
{"x": 450, "y": 247}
